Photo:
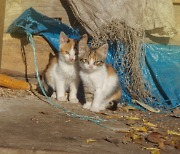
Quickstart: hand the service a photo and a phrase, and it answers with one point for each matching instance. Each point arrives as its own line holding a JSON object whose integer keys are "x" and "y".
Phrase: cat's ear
{"x": 82, "y": 46}
{"x": 63, "y": 38}
{"x": 103, "y": 50}
{"x": 84, "y": 38}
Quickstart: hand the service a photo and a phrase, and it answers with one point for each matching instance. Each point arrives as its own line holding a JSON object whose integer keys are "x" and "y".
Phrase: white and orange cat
{"x": 61, "y": 74}
{"x": 99, "y": 78}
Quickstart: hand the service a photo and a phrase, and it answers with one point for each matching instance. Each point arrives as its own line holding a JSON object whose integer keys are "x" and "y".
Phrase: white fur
{"x": 72, "y": 54}
{"x": 100, "y": 84}
{"x": 64, "y": 76}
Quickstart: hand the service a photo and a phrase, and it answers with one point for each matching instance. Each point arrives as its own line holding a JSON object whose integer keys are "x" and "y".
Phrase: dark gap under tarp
{"x": 160, "y": 69}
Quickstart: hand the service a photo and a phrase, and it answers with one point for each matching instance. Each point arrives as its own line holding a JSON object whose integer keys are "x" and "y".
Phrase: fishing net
{"x": 155, "y": 16}
{"x": 127, "y": 54}
{"x": 122, "y": 23}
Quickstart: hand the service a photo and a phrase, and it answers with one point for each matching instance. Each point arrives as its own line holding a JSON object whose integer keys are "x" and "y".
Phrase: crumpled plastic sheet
{"x": 38, "y": 24}
{"x": 162, "y": 71}
{"x": 160, "y": 66}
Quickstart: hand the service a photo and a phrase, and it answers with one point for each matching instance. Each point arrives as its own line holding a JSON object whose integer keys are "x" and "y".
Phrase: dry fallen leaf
{"x": 139, "y": 139}
{"x": 131, "y": 118}
{"x": 153, "y": 150}
{"x": 171, "y": 132}
{"x": 150, "y": 124}
{"x": 90, "y": 140}
{"x": 133, "y": 136}
{"x": 156, "y": 137}
{"x": 128, "y": 108}
{"x": 131, "y": 122}
{"x": 139, "y": 128}
{"x": 173, "y": 141}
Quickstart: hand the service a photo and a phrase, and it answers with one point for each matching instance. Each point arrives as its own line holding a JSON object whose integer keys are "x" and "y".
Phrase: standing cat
{"x": 61, "y": 74}
{"x": 98, "y": 77}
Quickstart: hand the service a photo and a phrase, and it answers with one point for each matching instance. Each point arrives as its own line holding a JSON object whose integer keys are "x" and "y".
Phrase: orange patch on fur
{"x": 116, "y": 96}
{"x": 110, "y": 70}
{"x": 50, "y": 65}
{"x": 67, "y": 46}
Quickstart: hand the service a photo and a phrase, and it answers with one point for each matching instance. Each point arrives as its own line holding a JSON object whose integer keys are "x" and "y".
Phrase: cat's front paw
{"x": 74, "y": 100}
{"x": 62, "y": 99}
{"x": 53, "y": 95}
{"x": 102, "y": 107}
{"x": 94, "y": 109}
{"x": 87, "y": 105}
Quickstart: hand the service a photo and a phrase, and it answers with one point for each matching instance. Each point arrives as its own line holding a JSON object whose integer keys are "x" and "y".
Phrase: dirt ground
{"x": 30, "y": 125}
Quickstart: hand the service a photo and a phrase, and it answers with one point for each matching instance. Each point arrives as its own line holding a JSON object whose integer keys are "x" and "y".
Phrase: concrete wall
{"x": 2, "y": 12}
{"x": 51, "y": 8}
{"x": 177, "y": 16}
{"x": 176, "y": 39}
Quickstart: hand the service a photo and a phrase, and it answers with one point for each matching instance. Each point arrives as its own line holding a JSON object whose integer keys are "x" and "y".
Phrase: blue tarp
{"x": 36, "y": 23}
{"x": 161, "y": 67}
{"x": 162, "y": 71}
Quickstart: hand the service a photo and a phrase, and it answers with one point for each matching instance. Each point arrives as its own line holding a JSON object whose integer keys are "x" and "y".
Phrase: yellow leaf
{"x": 90, "y": 140}
{"x": 131, "y": 118}
{"x": 135, "y": 136}
{"x": 127, "y": 108}
{"x": 170, "y": 132}
{"x": 150, "y": 124}
{"x": 153, "y": 150}
{"x": 140, "y": 128}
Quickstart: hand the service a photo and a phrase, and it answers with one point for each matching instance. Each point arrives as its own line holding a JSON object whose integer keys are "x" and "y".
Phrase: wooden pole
{"x": 2, "y": 14}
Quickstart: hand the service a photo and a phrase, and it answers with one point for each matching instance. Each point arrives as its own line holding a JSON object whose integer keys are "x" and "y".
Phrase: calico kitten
{"x": 61, "y": 74}
{"x": 98, "y": 77}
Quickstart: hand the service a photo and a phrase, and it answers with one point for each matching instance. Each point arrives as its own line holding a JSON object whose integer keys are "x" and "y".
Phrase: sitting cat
{"x": 61, "y": 73}
{"x": 98, "y": 77}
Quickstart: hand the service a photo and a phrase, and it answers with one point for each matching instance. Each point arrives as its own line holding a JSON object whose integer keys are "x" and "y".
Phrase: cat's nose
{"x": 91, "y": 66}
{"x": 71, "y": 59}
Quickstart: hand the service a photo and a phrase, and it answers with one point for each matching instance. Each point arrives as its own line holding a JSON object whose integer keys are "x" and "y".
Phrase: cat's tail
{"x": 114, "y": 99}
{"x": 116, "y": 96}
{"x": 48, "y": 90}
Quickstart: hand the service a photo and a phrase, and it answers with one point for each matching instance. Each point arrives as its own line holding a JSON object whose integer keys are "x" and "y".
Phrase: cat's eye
{"x": 84, "y": 60}
{"x": 98, "y": 62}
